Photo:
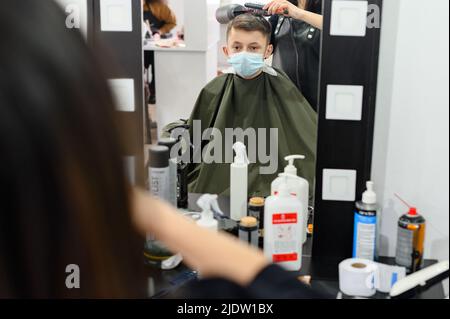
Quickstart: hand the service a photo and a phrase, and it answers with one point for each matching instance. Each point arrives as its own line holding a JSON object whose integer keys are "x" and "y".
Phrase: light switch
{"x": 123, "y": 93}
{"x": 349, "y": 18}
{"x": 344, "y": 102}
{"x": 339, "y": 185}
{"x": 116, "y": 15}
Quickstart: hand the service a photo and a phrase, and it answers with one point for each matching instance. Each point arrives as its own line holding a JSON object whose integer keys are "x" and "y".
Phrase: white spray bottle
{"x": 239, "y": 183}
{"x": 297, "y": 186}
{"x": 208, "y": 203}
{"x": 283, "y": 225}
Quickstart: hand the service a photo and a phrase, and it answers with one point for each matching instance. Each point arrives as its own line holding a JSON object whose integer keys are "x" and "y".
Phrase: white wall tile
{"x": 339, "y": 185}
{"x": 349, "y": 18}
{"x": 344, "y": 102}
{"x": 123, "y": 92}
{"x": 116, "y": 15}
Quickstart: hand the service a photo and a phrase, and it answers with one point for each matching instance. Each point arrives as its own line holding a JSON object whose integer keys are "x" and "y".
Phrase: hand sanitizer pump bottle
{"x": 297, "y": 186}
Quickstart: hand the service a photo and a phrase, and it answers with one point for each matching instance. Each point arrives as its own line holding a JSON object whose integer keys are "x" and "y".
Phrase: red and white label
{"x": 281, "y": 258}
{"x": 285, "y": 237}
{"x": 287, "y": 218}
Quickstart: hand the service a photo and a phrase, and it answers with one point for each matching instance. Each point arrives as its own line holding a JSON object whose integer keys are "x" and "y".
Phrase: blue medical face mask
{"x": 247, "y": 64}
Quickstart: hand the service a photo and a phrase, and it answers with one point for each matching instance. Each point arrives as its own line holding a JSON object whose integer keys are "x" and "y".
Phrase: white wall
{"x": 411, "y": 152}
{"x": 222, "y": 61}
{"x": 177, "y": 7}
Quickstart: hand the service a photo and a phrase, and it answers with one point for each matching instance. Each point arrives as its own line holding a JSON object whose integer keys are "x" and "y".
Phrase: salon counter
{"x": 163, "y": 283}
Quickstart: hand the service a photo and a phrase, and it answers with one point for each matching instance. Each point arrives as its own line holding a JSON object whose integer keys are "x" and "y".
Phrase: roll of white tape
{"x": 357, "y": 277}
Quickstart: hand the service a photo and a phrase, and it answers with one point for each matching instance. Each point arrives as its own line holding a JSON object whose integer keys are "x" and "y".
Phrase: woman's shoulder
{"x": 274, "y": 282}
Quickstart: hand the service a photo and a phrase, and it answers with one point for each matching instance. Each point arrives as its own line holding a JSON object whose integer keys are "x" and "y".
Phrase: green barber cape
{"x": 262, "y": 103}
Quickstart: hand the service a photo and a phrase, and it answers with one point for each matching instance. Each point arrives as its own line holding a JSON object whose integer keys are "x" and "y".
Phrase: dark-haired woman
{"x": 296, "y": 35}
{"x": 66, "y": 209}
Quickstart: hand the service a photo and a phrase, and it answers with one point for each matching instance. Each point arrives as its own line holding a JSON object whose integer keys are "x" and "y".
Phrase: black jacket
{"x": 272, "y": 283}
{"x": 297, "y": 53}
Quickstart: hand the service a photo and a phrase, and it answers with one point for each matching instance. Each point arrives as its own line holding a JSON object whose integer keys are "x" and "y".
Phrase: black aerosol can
{"x": 410, "y": 240}
{"x": 183, "y": 159}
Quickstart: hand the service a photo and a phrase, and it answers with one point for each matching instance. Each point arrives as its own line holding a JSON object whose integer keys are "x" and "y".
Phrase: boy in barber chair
{"x": 252, "y": 95}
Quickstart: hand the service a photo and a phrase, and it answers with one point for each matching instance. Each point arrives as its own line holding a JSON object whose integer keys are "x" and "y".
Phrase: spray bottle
{"x": 297, "y": 186}
{"x": 365, "y": 226}
{"x": 410, "y": 239}
{"x": 239, "y": 183}
{"x": 283, "y": 226}
{"x": 208, "y": 203}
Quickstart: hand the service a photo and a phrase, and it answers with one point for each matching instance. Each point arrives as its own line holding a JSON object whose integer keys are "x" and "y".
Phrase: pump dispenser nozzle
{"x": 241, "y": 154}
{"x": 369, "y": 196}
{"x": 290, "y": 168}
{"x": 208, "y": 203}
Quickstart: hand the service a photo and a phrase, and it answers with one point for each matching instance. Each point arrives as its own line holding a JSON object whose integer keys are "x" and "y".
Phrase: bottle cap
{"x": 257, "y": 201}
{"x": 290, "y": 168}
{"x": 167, "y": 141}
{"x": 249, "y": 222}
{"x": 159, "y": 156}
{"x": 413, "y": 211}
{"x": 369, "y": 196}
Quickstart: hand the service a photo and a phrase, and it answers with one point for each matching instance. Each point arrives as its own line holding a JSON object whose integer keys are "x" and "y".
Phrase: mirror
{"x": 274, "y": 113}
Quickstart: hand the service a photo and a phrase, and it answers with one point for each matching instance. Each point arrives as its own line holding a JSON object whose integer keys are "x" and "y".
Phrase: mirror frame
{"x": 343, "y": 145}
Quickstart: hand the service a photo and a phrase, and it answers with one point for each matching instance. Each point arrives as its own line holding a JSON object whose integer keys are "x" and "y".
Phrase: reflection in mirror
{"x": 255, "y": 81}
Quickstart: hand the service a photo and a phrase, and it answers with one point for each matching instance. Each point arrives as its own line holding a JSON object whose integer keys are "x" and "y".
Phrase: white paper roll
{"x": 357, "y": 277}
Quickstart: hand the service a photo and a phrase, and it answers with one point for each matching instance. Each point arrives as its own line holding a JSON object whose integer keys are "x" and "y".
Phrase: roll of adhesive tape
{"x": 357, "y": 277}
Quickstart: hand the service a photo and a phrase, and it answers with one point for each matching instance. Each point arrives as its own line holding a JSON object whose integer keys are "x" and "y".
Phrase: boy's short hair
{"x": 249, "y": 22}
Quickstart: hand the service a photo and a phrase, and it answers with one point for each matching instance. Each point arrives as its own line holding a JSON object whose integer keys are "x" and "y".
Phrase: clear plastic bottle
{"x": 297, "y": 185}
{"x": 239, "y": 183}
{"x": 284, "y": 223}
{"x": 366, "y": 226}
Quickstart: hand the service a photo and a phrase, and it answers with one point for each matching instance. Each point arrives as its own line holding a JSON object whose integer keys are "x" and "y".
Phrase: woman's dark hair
{"x": 310, "y": 5}
{"x": 314, "y": 6}
{"x": 64, "y": 198}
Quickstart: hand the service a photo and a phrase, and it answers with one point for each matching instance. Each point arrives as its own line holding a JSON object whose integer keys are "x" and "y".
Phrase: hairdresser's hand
{"x": 290, "y": 10}
{"x": 283, "y": 7}
{"x": 212, "y": 254}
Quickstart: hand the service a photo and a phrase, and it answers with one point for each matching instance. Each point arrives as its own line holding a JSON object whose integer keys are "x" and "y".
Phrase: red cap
{"x": 413, "y": 211}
